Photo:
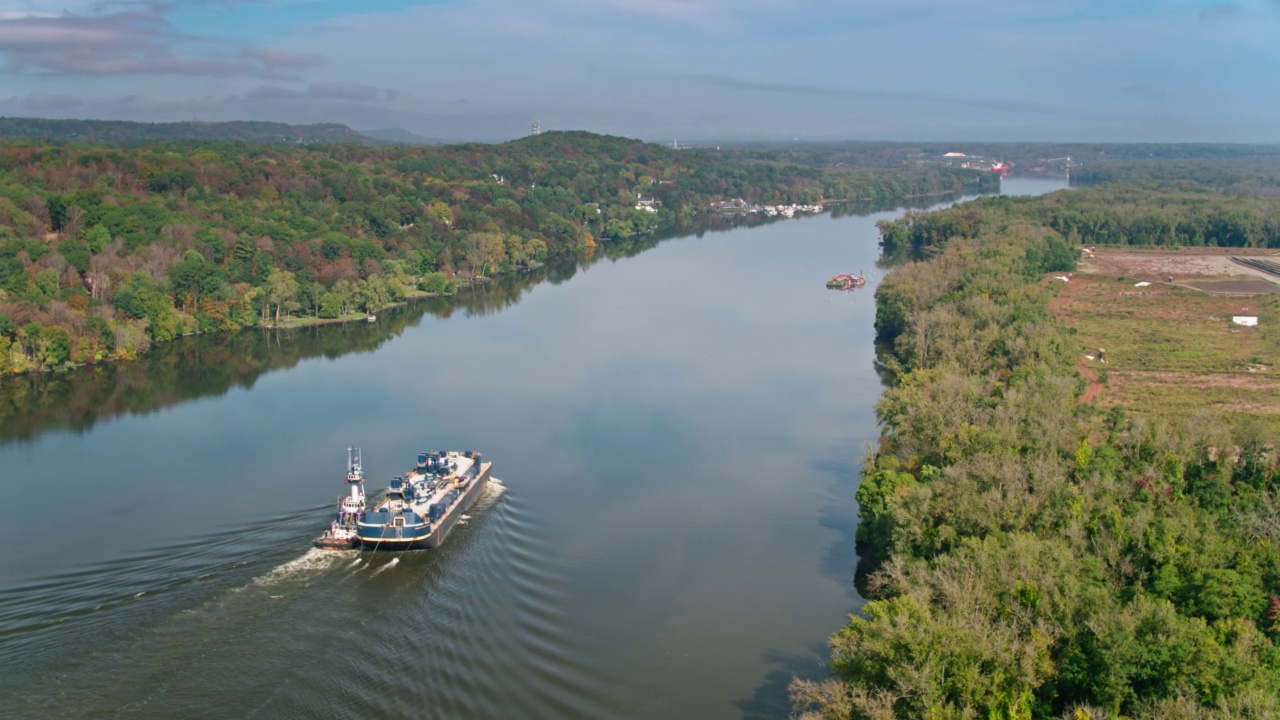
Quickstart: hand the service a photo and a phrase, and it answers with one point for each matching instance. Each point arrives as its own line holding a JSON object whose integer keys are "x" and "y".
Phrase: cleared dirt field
{"x": 1209, "y": 269}
{"x": 1172, "y": 350}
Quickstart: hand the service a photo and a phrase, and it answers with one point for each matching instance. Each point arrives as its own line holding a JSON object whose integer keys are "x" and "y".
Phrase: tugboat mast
{"x": 355, "y": 476}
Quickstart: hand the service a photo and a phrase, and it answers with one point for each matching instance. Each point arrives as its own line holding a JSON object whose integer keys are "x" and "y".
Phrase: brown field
{"x": 1209, "y": 269}
{"x": 1171, "y": 349}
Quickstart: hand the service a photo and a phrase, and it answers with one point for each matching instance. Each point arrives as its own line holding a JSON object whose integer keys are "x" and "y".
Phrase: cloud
{"x": 325, "y": 91}
{"x": 683, "y": 10}
{"x": 132, "y": 42}
{"x": 812, "y": 91}
{"x": 354, "y": 92}
{"x": 1221, "y": 12}
{"x": 275, "y": 58}
{"x": 53, "y": 102}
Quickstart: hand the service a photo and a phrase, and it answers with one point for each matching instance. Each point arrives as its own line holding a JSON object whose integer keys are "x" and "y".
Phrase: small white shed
{"x": 1246, "y": 320}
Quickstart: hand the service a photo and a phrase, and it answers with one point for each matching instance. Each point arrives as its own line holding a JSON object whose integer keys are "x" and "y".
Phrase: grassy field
{"x": 1172, "y": 351}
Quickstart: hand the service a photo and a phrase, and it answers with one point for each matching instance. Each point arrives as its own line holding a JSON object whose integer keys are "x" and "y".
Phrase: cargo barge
{"x": 419, "y": 508}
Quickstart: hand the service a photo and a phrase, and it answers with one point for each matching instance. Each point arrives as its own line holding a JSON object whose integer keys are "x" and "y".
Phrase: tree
{"x": 484, "y": 253}
{"x": 373, "y": 294}
{"x": 53, "y": 344}
{"x": 433, "y": 282}
{"x": 192, "y": 277}
{"x": 97, "y": 238}
{"x": 441, "y": 214}
{"x": 47, "y": 282}
{"x": 330, "y": 305}
{"x": 282, "y": 292}
{"x": 77, "y": 252}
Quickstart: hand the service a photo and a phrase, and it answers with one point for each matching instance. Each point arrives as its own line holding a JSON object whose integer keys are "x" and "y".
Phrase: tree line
{"x": 106, "y": 250}
{"x": 1111, "y": 214}
{"x": 1028, "y": 556}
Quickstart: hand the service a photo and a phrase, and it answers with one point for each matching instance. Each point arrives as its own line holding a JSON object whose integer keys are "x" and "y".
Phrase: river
{"x": 677, "y": 436}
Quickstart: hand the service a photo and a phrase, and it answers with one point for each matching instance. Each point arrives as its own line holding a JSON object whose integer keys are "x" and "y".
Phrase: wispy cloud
{"x": 332, "y": 91}
{"x": 856, "y": 94}
{"x": 684, "y": 10}
{"x": 273, "y": 58}
{"x": 130, "y": 42}
{"x": 1221, "y": 11}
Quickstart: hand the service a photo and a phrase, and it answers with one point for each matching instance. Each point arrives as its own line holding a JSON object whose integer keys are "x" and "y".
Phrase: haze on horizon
{"x": 1059, "y": 70}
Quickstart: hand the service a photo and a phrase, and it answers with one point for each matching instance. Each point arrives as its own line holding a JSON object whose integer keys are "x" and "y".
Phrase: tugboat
{"x": 421, "y": 507}
{"x": 341, "y": 534}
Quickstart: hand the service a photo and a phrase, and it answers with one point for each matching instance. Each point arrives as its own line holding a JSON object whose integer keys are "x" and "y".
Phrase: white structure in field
{"x": 1246, "y": 320}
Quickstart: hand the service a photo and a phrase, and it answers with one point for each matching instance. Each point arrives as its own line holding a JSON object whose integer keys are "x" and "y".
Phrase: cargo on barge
{"x": 422, "y": 506}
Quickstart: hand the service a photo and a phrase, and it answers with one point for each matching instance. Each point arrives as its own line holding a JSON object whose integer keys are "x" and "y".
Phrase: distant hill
{"x": 120, "y": 131}
{"x": 400, "y": 136}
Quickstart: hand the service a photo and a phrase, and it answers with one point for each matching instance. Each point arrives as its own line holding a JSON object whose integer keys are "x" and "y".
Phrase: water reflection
{"x": 205, "y": 366}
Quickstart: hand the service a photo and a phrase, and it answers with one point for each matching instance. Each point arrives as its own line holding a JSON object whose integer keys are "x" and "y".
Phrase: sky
{"x": 925, "y": 70}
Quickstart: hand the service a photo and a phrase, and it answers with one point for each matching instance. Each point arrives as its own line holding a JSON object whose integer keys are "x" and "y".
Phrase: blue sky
{"x": 1071, "y": 70}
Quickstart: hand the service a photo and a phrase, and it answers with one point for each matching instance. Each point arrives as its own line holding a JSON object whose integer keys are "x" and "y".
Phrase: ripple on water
{"x": 471, "y": 628}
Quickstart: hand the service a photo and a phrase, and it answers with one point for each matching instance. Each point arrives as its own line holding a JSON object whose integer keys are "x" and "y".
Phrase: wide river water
{"x": 677, "y": 437}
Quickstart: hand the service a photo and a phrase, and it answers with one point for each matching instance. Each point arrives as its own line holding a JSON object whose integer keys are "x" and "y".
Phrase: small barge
{"x": 846, "y": 281}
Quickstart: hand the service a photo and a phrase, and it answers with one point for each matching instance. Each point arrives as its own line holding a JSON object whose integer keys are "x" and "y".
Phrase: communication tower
{"x": 537, "y": 127}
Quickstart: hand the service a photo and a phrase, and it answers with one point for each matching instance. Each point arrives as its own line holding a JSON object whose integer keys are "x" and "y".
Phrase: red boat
{"x": 846, "y": 281}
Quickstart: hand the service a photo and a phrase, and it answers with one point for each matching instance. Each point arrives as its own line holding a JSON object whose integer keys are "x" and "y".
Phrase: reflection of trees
{"x": 865, "y": 207}
{"x": 185, "y": 369}
{"x": 210, "y": 365}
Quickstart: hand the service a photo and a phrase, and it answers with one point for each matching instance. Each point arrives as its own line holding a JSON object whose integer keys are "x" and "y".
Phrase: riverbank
{"x": 1048, "y": 556}
{"x": 293, "y": 321}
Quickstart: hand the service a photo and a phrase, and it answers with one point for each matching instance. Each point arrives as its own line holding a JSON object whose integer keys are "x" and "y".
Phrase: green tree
{"x": 53, "y": 345}
{"x": 77, "y": 252}
{"x": 47, "y": 282}
{"x": 97, "y": 238}
{"x": 282, "y": 292}
{"x": 193, "y": 277}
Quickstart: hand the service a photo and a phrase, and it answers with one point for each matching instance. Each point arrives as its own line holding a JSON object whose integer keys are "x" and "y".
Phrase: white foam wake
{"x": 309, "y": 562}
{"x": 388, "y": 566}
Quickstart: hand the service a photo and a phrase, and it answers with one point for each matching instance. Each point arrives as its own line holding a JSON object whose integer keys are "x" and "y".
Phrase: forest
{"x": 1171, "y": 205}
{"x": 105, "y": 250}
{"x": 138, "y": 133}
{"x": 1029, "y": 556}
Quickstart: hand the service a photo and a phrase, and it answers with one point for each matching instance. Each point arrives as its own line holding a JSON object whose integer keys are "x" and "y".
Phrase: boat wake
{"x": 493, "y": 490}
{"x": 312, "y": 561}
{"x": 388, "y": 566}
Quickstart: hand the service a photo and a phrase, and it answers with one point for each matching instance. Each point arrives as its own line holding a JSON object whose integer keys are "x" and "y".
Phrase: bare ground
{"x": 1208, "y": 269}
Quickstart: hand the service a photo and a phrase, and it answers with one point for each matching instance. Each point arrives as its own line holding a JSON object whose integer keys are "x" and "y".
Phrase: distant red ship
{"x": 1002, "y": 169}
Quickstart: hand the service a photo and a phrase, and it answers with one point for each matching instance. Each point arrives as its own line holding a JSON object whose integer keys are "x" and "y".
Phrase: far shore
{"x": 292, "y": 322}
